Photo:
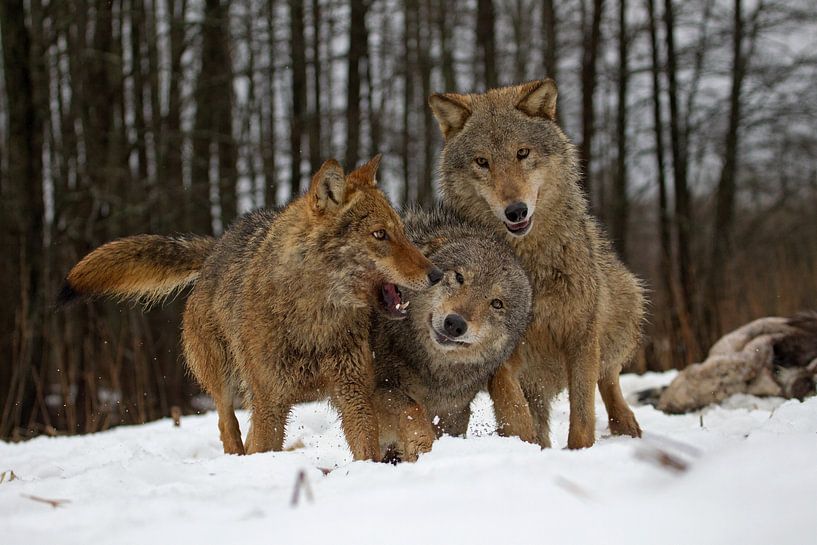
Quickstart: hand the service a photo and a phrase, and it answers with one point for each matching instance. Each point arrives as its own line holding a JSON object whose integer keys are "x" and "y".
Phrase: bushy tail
{"x": 141, "y": 268}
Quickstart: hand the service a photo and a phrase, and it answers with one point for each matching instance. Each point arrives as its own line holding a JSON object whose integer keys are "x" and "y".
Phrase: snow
{"x": 751, "y": 478}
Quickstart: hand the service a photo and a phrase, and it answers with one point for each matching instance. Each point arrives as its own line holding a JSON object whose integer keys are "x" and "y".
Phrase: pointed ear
{"x": 538, "y": 98}
{"x": 451, "y": 110}
{"x": 328, "y": 187}
{"x": 366, "y": 174}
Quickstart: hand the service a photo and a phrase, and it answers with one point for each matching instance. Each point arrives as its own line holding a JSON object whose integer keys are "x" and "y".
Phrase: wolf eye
{"x": 522, "y": 153}
{"x": 482, "y": 162}
{"x": 380, "y": 234}
{"x": 460, "y": 279}
{"x": 497, "y": 303}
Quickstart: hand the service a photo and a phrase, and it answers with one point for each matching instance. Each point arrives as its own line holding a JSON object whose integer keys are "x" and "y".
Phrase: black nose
{"x": 516, "y": 212}
{"x": 435, "y": 275}
{"x": 454, "y": 325}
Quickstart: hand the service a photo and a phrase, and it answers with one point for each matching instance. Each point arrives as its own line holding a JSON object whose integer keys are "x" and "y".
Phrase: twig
{"x": 573, "y": 488}
{"x": 301, "y": 482}
{"x": 52, "y": 503}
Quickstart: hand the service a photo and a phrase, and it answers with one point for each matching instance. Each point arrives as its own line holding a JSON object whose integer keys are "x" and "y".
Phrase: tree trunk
{"x": 358, "y": 48}
{"x": 21, "y": 222}
{"x": 213, "y": 123}
{"x": 425, "y": 191}
{"x": 409, "y": 64}
{"x": 315, "y": 155}
{"x": 592, "y": 39}
{"x": 446, "y": 13}
{"x": 297, "y": 45}
{"x": 486, "y": 42}
{"x": 621, "y": 203}
{"x": 683, "y": 212}
{"x": 725, "y": 209}
{"x": 269, "y": 144}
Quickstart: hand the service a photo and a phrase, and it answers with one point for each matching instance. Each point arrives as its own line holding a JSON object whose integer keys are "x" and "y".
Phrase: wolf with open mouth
{"x": 430, "y": 366}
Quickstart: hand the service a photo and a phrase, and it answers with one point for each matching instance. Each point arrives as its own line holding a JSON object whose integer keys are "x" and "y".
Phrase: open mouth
{"x": 392, "y": 301}
{"x": 442, "y": 339}
{"x": 519, "y": 228}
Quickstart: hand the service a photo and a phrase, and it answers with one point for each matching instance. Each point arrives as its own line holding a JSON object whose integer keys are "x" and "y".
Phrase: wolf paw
{"x": 625, "y": 424}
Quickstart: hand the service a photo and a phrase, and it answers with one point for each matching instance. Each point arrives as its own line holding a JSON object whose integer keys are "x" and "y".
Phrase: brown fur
{"x": 587, "y": 308}
{"x": 282, "y": 307}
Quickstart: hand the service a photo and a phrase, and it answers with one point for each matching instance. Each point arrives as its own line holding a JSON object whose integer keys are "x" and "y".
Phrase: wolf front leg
{"x": 405, "y": 427}
{"x": 513, "y": 416}
{"x": 583, "y": 368}
{"x": 352, "y": 379}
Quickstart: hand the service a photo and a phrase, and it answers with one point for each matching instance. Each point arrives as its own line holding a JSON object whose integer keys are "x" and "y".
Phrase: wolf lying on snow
{"x": 282, "y": 303}
{"x": 430, "y": 366}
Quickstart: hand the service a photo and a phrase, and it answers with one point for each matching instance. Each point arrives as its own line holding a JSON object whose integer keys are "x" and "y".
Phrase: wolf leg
{"x": 352, "y": 377}
{"x": 455, "y": 423}
{"x": 582, "y": 375}
{"x": 208, "y": 360}
{"x": 619, "y": 415}
{"x": 405, "y": 428}
{"x": 513, "y": 416}
{"x": 269, "y": 418}
{"x": 539, "y": 404}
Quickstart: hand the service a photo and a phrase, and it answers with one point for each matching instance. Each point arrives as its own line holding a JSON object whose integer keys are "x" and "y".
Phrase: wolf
{"x": 506, "y": 164}
{"x": 281, "y": 304}
{"x": 429, "y": 367}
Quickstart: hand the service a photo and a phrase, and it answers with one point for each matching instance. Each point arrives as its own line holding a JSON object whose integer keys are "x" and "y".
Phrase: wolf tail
{"x": 142, "y": 268}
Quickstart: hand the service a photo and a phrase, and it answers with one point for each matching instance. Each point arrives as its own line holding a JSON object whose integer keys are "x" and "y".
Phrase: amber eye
{"x": 380, "y": 234}
{"x": 522, "y": 153}
{"x": 482, "y": 162}
{"x": 460, "y": 279}
{"x": 496, "y": 303}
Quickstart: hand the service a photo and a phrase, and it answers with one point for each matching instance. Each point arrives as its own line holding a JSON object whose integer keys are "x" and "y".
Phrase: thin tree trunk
{"x": 358, "y": 47}
{"x": 551, "y": 55}
{"x": 486, "y": 42}
{"x": 425, "y": 192}
{"x": 592, "y": 39}
{"x": 22, "y": 221}
{"x": 446, "y": 13}
{"x": 621, "y": 203}
{"x": 409, "y": 51}
{"x": 683, "y": 212}
{"x": 315, "y": 155}
{"x": 679, "y": 350}
{"x": 725, "y": 208}
{"x": 297, "y": 44}
{"x": 269, "y": 144}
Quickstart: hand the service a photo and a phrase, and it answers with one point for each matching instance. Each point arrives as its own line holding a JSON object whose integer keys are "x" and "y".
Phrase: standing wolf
{"x": 507, "y": 164}
{"x": 430, "y": 366}
{"x": 282, "y": 302}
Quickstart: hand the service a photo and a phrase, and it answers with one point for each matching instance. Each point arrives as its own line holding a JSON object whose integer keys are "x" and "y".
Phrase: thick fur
{"x": 424, "y": 387}
{"x": 144, "y": 268}
{"x": 587, "y": 307}
{"x": 282, "y": 307}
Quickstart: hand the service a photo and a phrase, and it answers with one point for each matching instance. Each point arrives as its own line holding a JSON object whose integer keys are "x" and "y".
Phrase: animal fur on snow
{"x": 767, "y": 357}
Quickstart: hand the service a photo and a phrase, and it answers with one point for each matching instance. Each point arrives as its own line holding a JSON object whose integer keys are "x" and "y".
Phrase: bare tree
{"x": 620, "y": 215}
{"x": 297, "y": 46}
{"x": 592, "y": 39}
{"x": 358, "y": 49}
{"x": 486, "y": 42}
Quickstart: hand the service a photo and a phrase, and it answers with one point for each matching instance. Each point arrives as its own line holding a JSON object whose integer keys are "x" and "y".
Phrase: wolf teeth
{"x": 406, "y": 304}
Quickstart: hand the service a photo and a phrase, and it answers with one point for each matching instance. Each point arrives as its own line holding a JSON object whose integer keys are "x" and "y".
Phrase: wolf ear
{"x": 366, "y": 174}
{"x": 451, "y": 110}
{"x": 538, "y": 98}
{"x": 326, "y": 192}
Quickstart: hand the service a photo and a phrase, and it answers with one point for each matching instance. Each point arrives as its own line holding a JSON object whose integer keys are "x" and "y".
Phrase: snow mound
{"x": 744, "y": 472}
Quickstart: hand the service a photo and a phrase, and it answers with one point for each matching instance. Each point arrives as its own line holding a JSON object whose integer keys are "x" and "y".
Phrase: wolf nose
{"x": 516, "y": 212}
{"x": 454, "y": 325}
{"x": 435, "y": 276}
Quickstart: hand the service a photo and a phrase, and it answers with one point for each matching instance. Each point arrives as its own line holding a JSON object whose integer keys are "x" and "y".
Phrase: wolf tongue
{"x": 391, "y": 296}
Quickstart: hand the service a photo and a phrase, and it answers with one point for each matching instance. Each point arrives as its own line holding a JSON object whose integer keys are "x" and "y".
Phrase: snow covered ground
{"x": 751, "y": 477}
